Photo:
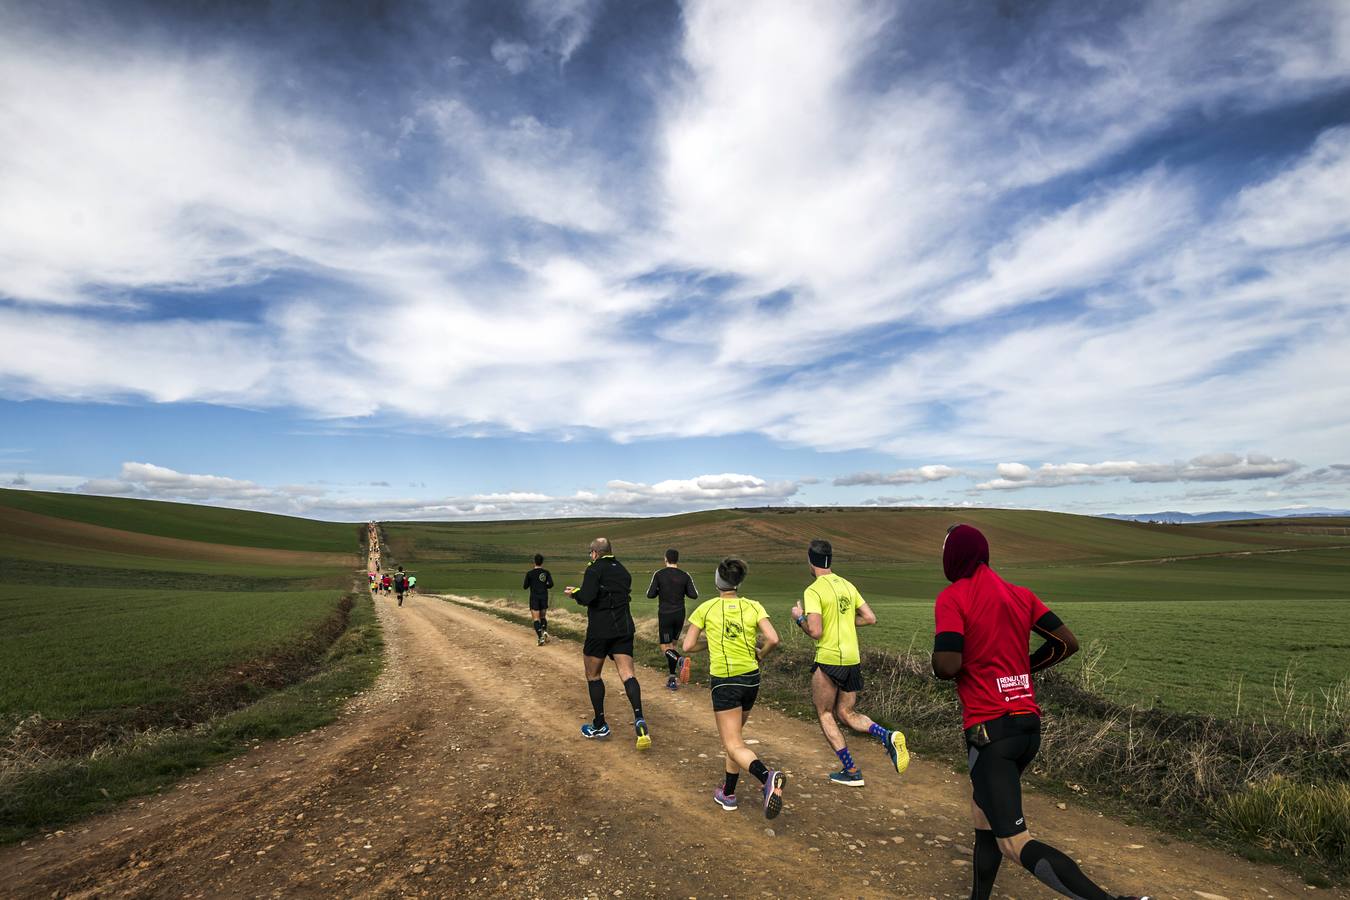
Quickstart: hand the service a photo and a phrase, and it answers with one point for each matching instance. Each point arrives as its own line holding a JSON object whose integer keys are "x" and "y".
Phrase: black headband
{"x": 819, "y": 560}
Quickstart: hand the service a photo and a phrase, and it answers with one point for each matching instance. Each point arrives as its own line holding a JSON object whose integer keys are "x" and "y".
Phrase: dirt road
{"x": 462, "y": 773}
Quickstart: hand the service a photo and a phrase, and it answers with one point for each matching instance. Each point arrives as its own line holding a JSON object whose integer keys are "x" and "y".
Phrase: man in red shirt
{"x": 982, "y": 626}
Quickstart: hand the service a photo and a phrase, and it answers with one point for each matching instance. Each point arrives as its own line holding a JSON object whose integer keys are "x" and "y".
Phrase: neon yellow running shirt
{"x": 836, "y": 601}
{"x": 732, "y": 627}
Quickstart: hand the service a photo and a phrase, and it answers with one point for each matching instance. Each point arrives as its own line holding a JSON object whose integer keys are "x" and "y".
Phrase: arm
{"x": 652, "y": 590}
{"x": 548, "y": 583}
{"x": 689, "y": 590}
{"x": 770, "y": 638}
{"x": 806, "y": 613}
{"x": 949, "y": 640}
{"x": 1059, "y": 645}
{"x": 590, "y": 587}
{"x": 692, "y": 642}
{"x": 863, "y": 615}
{"x": 525, "y": 585}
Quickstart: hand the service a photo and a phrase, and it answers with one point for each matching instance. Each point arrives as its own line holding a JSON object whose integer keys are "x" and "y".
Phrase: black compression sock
{"x": 538, "y": 626}
{"x": 760, "y": 771}
{"x": 543, "y": 623}
{"x": 1059, "y": 873}
{"x": 987, "y": 859}
{"x": 672, "y": 660}
{"x": 729, "y": 787}
{"x": 634, "y": 692}
{"x": 597, "y": 692}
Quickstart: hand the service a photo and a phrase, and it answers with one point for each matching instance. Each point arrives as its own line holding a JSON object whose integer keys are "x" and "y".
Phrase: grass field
{"x": 1186, "y": 613}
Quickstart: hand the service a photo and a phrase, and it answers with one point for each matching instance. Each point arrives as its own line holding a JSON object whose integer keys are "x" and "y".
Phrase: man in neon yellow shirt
{"x": 733, "y": 625}
{"x": 830, "y": 612}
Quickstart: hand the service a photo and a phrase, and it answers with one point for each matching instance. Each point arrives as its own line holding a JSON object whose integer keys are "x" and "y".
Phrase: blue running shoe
{"x": 590, "y": 731}
{"x": 644, "y": 738}
{"x": 897, "y": 751}
{"x": 724, "y": 800}
{"x": 773, "y": 794}
{"x": 847, "y": 778}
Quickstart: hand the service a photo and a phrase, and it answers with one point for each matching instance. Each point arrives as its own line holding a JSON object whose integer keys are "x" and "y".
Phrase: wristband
{"x": 800, "y": 619}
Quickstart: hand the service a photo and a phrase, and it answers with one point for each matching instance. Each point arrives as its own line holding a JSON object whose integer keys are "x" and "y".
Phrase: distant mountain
{"x": 1172, "y": 517}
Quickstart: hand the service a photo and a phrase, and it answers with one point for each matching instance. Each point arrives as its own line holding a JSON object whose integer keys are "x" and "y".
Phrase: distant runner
{"x": 412, "y": 583}
{"x": 400, "y": 584}
{"x": 606, "y": 592}
{"x": 374, "y": 583}
{"x": 830, "y": 612}
{"x": 981, "y": 625}
{"x": 538, "y": 581}
{"x": 732, "y": 625}
{"x": 672, "y": 584}
{"x": 386, "y": 582}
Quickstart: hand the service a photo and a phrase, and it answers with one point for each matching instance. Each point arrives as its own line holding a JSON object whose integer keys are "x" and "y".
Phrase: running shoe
{"x": 540, "y": 639}
{"x": 683, "y": 667}
{"x": 673, "y": 683}
{"x": 590, "y": 731}
{"x": 897, "y": 751}
{"x": 723, "y": 799}
{"x": 773, "y": 802}
{"x": 545, "y": 637}
{"x": 847, "y": 778}
{"x": 644, "y": 738}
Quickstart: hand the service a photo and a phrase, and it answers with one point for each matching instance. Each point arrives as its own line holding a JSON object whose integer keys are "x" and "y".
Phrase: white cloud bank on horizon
{"x": 1212, "y": 467}
{"x": 620, "y": 498}
{"x": 1198, "y": 320}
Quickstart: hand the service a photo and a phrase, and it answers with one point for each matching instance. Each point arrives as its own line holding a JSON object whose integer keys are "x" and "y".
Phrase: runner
{"x": 606, "y": 592}
{"x": 374, "y": 584}
{"x": 672, "y": 584}
{"x": 830, "y": 612}
{"x": 412, "y": 583}
{"x": 982, "y": 624}
{"x": 386, "y": 582}
{"x": 538, "y": 581}
{"x": 400, "y": 584}
{"x": 732, "y": 624}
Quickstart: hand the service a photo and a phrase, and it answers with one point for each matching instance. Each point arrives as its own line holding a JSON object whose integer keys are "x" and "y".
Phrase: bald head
{"x": 602, "y": 546}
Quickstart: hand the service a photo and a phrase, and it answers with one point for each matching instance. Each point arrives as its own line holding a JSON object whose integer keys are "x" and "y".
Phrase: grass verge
{"x": 43, "y": 793}
{"x": 1272, "y": 790}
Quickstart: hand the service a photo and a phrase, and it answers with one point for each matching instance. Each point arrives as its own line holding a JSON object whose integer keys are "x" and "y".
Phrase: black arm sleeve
{"x": 949, "y": 642}
{"x": 590, "y": 587}
{"x": 652, "y": 589}
{"x": 1054, "y": 650}
{"x": 689, "y": 590}
{"x": 525, "y": 585}
{"x": 548, "y": 583}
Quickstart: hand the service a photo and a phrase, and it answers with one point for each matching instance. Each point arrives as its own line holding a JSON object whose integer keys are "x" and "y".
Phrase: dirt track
{"x": 463, "y": 773}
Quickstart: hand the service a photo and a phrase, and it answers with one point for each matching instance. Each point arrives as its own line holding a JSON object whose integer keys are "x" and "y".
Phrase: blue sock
{"x": 846, "y": 758}
{"x": 878, "y": 732}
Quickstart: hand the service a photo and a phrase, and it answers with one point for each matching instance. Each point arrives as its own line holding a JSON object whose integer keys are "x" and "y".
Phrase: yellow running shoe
{"x": 897, "y": 751}
{"x": 644, "y": 738}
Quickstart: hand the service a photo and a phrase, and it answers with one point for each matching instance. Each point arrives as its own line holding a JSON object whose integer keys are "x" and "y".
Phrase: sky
{"x": 529, "y": 258}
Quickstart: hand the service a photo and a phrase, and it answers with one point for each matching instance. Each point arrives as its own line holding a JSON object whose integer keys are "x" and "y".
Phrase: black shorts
{"x": 996, "y": 774}
{"x": 669, "y": 626}
{"x": 736, "y": 692}
{"x": 600, "y": 647}
{"x": 846, "y": 678}
{"x": 539, "y": 605}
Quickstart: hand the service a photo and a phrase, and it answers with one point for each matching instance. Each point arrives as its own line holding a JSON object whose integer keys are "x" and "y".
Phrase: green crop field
{"x": 1191, "y": 617}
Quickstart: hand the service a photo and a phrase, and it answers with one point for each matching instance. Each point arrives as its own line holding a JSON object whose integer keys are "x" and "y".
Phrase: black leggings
{"x": 996, "y": 775}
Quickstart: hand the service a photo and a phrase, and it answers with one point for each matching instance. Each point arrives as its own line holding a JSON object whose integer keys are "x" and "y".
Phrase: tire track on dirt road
{"x": 463, "y": 773}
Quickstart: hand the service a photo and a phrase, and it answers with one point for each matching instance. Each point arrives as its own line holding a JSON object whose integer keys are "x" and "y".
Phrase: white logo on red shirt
{"x": 1014, "y": 687}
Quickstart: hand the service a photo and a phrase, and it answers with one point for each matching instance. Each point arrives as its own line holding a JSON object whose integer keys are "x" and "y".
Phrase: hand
{"x": 796, "y": 611}
{"x": 569, "y": 590}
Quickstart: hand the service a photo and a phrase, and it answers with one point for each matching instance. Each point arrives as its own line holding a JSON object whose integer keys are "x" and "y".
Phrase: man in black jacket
{"x": 538, "y": 581}
{"x": 606, "y": 592}
{"x": 672, "y": 584}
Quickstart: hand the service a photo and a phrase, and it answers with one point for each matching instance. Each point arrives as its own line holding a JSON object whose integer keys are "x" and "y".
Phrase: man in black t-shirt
{"x": 539, "y": 582}
{"x": 672, "y": 585}
{"x": 606, "y": 591}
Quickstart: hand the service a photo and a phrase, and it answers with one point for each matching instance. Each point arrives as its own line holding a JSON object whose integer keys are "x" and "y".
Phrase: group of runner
{"x": 981, "y": 633}
{"x": 397, "y": 583}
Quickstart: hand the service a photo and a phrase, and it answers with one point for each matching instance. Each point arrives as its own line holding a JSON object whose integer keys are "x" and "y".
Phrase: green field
{"x": 1186, "y": 614}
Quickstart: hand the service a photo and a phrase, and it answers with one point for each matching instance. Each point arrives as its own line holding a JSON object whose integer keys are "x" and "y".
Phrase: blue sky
{"x": 577, "y": 257}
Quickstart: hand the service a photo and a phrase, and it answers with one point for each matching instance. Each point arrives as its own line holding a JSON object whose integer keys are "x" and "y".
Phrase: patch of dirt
{"x": 463, "y": 772}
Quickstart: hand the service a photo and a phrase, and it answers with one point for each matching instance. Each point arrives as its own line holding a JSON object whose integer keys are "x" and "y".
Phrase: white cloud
{"x": 1211, "y": 467}
{"x": 903, "y": 476}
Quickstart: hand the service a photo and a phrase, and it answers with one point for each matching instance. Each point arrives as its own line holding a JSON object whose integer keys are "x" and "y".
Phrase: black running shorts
{"x": 540, "y": 604}
{"x": 846, "y": 678}
{"x": 669, "y": 626}
{"x": 736, "y": 692}
{"x": 600, "y": 647}
{"x": 996, "y": 774}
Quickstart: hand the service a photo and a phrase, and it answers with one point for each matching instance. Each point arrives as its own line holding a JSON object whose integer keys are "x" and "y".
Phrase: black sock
{"x": 1058, "y": 872}
{"x": 538, "y": 626}
{"x": 760, "y": 771}
{"x": 597, "y": 691}
{"x": 543, "y": 623}
{"x": 634, "y": 692}
{"x": 987, "y": 859}
{"x": 672, "y": 660}
{"x": 729, "y": 788}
